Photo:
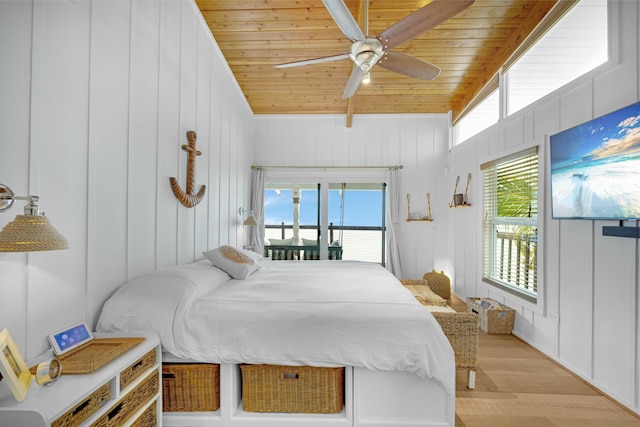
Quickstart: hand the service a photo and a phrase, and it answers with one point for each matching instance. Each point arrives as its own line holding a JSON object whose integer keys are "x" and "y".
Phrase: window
{"x": 354, "y": 228}
{"x": 485, "y": 114}
{"x": 510, "y": 224}
{"x": 577, "y": 44}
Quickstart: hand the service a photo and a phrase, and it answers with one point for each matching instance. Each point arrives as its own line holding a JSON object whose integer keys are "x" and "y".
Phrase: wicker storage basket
{"x": 131, "y": 403}
{"x": 439, "y": 283}
{"x": 462, "y": 331}
{"x": 303, "y": 389}
{"x": 95, "y": 354}
{"x": 83, "y": 410}
{"x": 129, "y": 375}
{"x": 148, "y": 417}
{"x": 423, "y": 292}
{"x": 190, "y": 387}
{"x": 495, "y": 318}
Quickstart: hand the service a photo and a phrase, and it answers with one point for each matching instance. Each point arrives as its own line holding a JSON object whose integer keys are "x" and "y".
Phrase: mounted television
{"x": 595, "y": 168}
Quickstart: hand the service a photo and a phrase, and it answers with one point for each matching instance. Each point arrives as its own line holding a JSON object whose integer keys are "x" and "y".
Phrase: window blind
{"x": 510, "y": 215}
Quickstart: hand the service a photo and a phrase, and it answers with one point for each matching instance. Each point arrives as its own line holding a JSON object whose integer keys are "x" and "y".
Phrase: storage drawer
{"x": 304, "y": 389}
{"x": 190, "y": 387}
{"x": 130, "y": 403}
{"x": 128, "y": 375}
{"x": 83, "y": 410}
{"x": 148, "y": 417}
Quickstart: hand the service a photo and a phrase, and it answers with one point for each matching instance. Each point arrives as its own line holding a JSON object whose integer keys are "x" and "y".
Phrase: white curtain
{"x": 257, "y": 206}
{"x": 393, "y": 246}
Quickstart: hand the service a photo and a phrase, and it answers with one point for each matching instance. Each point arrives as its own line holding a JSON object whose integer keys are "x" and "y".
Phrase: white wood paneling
{"x": 203, "y": 143}
{"x": 108, "y": 149}
{"x": 418, "y": 142}
{"x": 101, "y": 96}
{"x": 576, "y": 295}
{"x": 143, "y": 136}
{"x": 614, "y": 319}
{"x": 169, "y": 133}
{"x": 215, "y": 105}
{"x": 188, "y": 96}
{"x": 589, "y": 320}
{"x": 58, "y": 161}
{"x": 15, "y": 40}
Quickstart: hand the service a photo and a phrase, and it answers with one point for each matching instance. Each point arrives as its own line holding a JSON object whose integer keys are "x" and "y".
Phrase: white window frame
{"x": 501, "y": 80}
{"x": 490, "y": 221}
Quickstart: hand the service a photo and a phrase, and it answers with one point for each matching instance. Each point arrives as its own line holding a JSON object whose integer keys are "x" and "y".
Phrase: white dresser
{"x": 127, "y": 391}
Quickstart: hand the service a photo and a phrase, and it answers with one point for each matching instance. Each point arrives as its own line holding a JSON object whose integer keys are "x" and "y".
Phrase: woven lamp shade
{"x": 250, "y": 221}
{"x": 31, "y": 233}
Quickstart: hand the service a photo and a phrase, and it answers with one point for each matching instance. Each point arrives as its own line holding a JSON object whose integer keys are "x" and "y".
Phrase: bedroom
{"x": 96, "y": 140}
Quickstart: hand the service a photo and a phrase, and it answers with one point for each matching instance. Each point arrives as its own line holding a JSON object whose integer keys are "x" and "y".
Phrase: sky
{"x": 614, "y": 134}
{"x": 361, "y": 207}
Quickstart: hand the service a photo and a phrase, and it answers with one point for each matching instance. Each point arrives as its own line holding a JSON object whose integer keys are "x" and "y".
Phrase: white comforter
{"x": 317, "y": 313}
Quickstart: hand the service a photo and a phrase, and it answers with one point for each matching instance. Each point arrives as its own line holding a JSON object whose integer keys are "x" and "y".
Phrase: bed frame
{"x": 372, "y": 398}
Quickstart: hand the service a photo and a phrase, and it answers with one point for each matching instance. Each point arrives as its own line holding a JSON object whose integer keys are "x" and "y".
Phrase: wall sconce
{"x": 30, "y": 232}
{"x": 251, "y": 220}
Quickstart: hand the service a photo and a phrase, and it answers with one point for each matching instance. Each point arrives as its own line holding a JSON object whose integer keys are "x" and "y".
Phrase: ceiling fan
{"x": 367, "y": 51}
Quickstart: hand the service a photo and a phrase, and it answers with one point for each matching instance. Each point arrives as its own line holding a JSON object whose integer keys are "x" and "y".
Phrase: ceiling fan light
{"x": 366, "y": 78}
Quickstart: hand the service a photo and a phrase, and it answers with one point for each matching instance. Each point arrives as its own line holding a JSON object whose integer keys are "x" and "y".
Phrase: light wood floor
{"x": 518, "y": 386}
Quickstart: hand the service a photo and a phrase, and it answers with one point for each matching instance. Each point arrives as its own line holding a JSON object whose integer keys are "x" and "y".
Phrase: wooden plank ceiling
{"x": 470, "y": 48}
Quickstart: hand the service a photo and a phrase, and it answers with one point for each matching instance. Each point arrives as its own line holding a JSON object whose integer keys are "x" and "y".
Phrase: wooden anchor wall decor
{"x": 189, "y": 199}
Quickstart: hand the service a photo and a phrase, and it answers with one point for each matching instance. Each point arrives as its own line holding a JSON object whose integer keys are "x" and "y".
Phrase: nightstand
{"x": 127, "y": 391}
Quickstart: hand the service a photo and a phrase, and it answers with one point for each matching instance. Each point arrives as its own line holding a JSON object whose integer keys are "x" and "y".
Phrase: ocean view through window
{"x": 355, "y": 218}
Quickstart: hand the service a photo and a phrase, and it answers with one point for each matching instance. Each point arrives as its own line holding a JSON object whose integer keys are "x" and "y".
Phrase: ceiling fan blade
{"x": 409, "y": 66}
{"x": 354, "y": 81}
{"x": 422, "y": 20}
{"x": 344, "y": 19}
{"x": 313, "y": 61}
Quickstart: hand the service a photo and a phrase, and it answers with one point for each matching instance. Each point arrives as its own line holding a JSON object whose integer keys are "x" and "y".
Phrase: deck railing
{"x": 362, "y": 243}
{"x": 516, "y": 258}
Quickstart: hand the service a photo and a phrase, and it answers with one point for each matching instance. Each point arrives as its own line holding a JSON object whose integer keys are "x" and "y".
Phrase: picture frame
{"x": 14, "y": 370}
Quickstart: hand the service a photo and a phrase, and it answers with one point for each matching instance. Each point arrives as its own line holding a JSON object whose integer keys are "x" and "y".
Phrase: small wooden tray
{"x": 95, "y": 354}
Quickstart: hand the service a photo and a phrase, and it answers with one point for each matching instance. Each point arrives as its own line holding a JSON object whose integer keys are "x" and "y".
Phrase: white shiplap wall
{"x": 417, "y": 142}
{"x": 589, "y": 319}
{"x": 97, "y": 99}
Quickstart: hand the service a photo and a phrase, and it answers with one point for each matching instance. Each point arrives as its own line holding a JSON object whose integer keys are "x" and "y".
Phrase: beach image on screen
{"x": 595, "y": 168}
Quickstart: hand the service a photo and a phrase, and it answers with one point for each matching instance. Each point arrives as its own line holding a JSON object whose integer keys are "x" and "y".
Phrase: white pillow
{"x": 232, "y": 261}
{"x": 281, "y": 242}
{"x": 309, "y": 242}
{"x": 256, "y": 257}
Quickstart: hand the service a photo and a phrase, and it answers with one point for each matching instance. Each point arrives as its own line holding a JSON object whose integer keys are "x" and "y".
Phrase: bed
{"x": 399, "y": 366}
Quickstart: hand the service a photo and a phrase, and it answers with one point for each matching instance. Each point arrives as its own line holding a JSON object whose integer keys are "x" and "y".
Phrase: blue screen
{"x": 595, "y": 168}
{"x": 71, "y": 337}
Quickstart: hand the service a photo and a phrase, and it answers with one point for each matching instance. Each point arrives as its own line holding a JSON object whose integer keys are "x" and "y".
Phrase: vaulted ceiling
{"x": 470, "y": 49}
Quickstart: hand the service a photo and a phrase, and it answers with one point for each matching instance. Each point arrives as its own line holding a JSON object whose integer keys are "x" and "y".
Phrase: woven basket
{"x": 492, "y": 320}
{"x": 148, "y": 417}
{"x": 439, "y": 283}
{"x": 303, "y": 389}
{"x": 83, "y": 410}
{"x": 127, "y": 376}
{"x": 423, "y": 292}
{"x": 462, "y": 331}
{"x": 190, "y": 387}
{"x": 131, "y": 403}
{"x": 95, "y": 354}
